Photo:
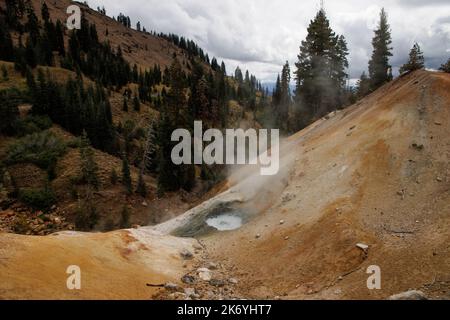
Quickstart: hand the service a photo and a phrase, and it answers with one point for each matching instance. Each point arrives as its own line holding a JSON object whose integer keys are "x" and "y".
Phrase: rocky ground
{"x": 20, "y": 219}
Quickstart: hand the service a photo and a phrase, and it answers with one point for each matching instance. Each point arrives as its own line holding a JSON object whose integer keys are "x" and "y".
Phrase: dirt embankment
{"x": 377, "y": 173}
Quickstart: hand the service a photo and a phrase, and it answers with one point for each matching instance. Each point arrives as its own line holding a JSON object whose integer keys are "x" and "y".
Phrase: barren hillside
{"x": 376, "y": 174}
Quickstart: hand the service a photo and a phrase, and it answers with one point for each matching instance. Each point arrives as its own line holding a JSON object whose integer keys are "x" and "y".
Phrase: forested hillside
{"x": 112, "y": 95}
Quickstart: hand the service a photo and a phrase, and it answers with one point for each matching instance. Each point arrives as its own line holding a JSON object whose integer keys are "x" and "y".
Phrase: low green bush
{"x": 33, "y": 124}
{"x": 42, "y": 149}
{"x": 38, "y": 199}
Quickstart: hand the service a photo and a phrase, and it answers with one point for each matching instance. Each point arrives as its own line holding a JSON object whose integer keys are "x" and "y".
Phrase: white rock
{"x": 171, "y": 286}
{"x": 363, "y": 246}
{"x": 205, "y": 274}
{"x": 409, "y": 295}
{"x": 189, "y": 292}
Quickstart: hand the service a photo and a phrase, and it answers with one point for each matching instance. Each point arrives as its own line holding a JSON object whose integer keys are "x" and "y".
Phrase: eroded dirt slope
{"x": 378, "y": 174}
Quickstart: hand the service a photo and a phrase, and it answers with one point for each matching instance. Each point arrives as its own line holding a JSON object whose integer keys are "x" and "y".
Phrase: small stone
{"x": 341, "y": 278}
{"x": 439, "y": 179}
{"x": 145, "y": 204}
{"x": 286, "y": 238}
{"x": 233, "y": 281}
{"x": 217, "y": 283}
{"x": 282, "y": 222}
{"x": 363, "y": 247}
{"x": 171, "y": 286}
{"x": 212, "y": 266}
{"x": 186, "y": 254}
{"x": 258, "y": 236}
{"x": 187, "y": 279}
{"x": 438, "y": 123}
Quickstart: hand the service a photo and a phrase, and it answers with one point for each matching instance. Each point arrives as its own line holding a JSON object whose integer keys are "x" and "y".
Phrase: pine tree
{"x": 174, "y": 114}
{"x": 125, "y": 105}
{"x": 416, "y": 60}
{"x": 141, "y": 188}
{"x": 59, "y": 38}
{"x": 320, "y": 74}
{"x": 32, "y": 25}
{"x": 125, "y": 218}
{"x": 380, "y": 71}
{"x": 363, "y": 86}
{"x": 88, "y": 166}
{"x": 126, "y": 175}
{"x": 6, "y": 44}
{"x": 87, "y": 214}
{"x": 136, "y": 104}
{"x": 44, "y": 13}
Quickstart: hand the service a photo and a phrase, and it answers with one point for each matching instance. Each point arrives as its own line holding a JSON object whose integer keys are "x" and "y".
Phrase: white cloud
{"x": 260, "y": 35}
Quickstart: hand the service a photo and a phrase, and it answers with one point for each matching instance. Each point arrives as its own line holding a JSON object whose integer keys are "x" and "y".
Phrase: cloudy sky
{"x": 260, "y": 35}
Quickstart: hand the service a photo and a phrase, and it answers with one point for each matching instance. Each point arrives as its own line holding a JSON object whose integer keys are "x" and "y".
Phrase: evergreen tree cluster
{"x": 190, "y": 46}
{"x": 42, "y": 40}
{"x": 174, "y": 115}
{"x": 125, "y": 20}
{"x": 247, "y": 87}
{"x": 74, "y": 107}
{"x": 96, "y": 60}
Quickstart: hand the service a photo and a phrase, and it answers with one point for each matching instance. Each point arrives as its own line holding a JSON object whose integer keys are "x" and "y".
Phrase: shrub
{"x": 88, "y": 166}
{"x": 20, "y": 225}
{"x": 38, "y": 199}
{"x": 33, "y": 124}
{"x": 9, "y": 114}
{"x": 5, "y": 73}
{"x": 87, "y": 215}
{"x": 126, "y": 175}
{"x": 141, "y": 186}
{"x": 41, "y": 149}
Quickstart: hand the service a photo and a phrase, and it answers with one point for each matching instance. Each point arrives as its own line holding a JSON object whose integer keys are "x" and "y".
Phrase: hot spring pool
{"x": 223, "y": 218}
{"x": 225, "y": 222}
